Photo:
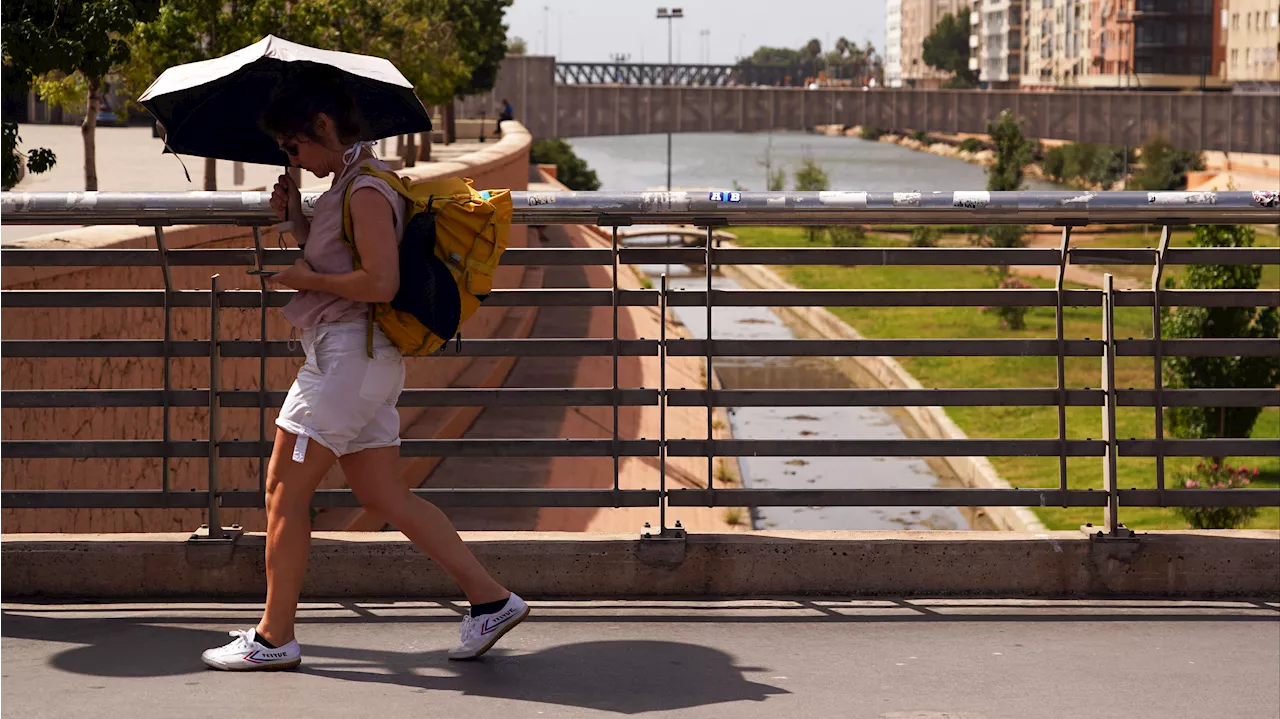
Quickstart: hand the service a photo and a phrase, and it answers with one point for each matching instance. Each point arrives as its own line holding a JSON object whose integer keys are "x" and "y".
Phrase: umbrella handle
{"x": 287, "y": 225}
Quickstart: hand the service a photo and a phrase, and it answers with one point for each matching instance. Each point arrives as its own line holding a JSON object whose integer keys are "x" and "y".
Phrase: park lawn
{"x": 1020, "y": 422}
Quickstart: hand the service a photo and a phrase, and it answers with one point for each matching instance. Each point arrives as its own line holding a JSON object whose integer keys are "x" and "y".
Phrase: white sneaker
{"x": 479, "y": 634}
{"x": 245, "y": 653}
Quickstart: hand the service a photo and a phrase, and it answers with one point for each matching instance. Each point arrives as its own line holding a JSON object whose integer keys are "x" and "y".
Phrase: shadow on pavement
{"x": 627, "y": 676}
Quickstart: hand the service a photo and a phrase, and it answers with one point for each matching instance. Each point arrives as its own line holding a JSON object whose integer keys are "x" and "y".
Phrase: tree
{"x": 813, "y": 49}
{"x": 1219, "y": 322}
{"x": 1012, "y": 151}
{"x": 186, "y": 31}
{"x": 516, "y": 46}
{"x": 572, "y": 171}
{"x": 482, "y": 44}
{"x": 73, "y": 36}
{"x": 1164, "y": 167}
{"x": 414, "y": 35}
{"x": 947, "y": 49}
{"x": 810, "y": 177}
{"x": 26, "y": 54}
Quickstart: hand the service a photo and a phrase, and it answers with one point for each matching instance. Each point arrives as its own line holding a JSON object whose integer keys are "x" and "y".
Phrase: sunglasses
{"x": 290, "y": 147}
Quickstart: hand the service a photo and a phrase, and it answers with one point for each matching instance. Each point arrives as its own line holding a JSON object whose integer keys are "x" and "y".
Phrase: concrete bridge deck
{"x": 919, "y": 659}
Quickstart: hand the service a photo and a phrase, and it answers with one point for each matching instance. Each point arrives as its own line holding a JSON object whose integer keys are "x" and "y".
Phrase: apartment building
{"x": 1154, "y": 45}
{"x": 1055, "y": 51}
{"x": 1251, "y": 29}
{"x": 893, "y": 43}
{"x": 995, "y": 42}
{"x": 918, "y": 18}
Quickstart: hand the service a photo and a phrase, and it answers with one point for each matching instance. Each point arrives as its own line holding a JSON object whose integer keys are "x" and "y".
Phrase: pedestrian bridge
{"x": 139, "y": 375}
{"x": 570, "y": 100}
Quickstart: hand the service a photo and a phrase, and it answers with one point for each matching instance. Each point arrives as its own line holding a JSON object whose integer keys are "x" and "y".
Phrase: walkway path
{"x": 898, "y": 659}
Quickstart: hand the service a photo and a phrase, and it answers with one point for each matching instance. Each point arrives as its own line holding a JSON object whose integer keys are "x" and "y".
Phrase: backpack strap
{"x": 348, "y": 233}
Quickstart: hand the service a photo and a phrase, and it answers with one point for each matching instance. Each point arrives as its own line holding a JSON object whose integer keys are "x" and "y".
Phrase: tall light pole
{"x": 673, "y": 14}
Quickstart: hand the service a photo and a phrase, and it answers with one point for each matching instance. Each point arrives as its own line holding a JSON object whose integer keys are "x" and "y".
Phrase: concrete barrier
{"x": 757, "y": 564}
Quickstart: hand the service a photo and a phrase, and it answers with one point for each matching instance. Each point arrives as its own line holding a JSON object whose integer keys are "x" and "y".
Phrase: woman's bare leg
{"x": 374, "y": 476}
{"x": 290, "y": 486}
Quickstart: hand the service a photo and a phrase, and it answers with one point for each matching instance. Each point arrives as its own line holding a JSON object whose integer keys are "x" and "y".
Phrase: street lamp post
{"x": 673, "y": 14}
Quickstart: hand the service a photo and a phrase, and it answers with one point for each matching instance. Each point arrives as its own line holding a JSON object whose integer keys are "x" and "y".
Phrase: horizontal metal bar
{"x": 885, "y": 298}
{"x": 154, "y": 499}
{"x": 886, "y": 498}
{"x": 683, "y": 298}
{"x": 497, "y": 447}
{"x": 906, "y": 256}
{"x": 685, "y": 348}
{"x": 505, "y": 497}
{"x": 883, "y": 448}
{"x": 1200, "y": 447}
{"x": 280, "y": 348}
{"x": 895, "y": 347}
{"x": 565, "y": 397}
{"x": 68, "y": 449}
{"x": 1200, "y": 397}
{"x": 1200, "y": 498}
{"x": 22, "y": 257}
{"x": 100, "y": 449}
{"x": 639, "y": 397}
{"x": 1222, "y": 255}
{"x": 1216, "y": 347}
{"x": 882, "y": 397}
{"x": 1111, "y": 256}
{"x": 1199, "y": 298}
{"x": 697, "y": 208}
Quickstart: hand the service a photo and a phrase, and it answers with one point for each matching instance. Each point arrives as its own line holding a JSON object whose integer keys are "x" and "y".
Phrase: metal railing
{"x": 709, "y": 211}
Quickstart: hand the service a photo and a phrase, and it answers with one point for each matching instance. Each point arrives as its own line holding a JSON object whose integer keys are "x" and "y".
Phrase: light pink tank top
{"x": 326, "y": 253}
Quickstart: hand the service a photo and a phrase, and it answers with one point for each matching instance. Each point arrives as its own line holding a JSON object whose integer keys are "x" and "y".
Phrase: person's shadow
{"x": 627, "y": 676}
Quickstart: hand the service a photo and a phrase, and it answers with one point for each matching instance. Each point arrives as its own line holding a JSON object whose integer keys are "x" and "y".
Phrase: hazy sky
{"x": 593, "y": 30}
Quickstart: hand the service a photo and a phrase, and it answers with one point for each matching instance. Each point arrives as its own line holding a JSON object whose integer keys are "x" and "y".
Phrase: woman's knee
{"x": 389, "y": 501}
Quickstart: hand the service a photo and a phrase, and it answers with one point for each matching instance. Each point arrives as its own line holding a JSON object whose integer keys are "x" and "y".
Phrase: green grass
{"x": 1022, "y": 422}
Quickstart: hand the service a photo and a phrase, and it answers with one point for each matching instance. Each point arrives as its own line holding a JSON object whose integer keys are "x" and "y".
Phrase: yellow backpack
{"x": 454, "y": 237}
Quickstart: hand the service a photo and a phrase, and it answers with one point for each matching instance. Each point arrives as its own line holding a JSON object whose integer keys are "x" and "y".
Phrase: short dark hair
{"x": 306, "y": 91}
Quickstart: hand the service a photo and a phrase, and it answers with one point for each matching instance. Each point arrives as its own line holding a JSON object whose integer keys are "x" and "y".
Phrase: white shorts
{"x": 342, "y": 398}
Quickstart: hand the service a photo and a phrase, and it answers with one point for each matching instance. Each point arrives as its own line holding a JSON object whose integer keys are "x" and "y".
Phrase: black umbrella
{"x": 211, "y": 108}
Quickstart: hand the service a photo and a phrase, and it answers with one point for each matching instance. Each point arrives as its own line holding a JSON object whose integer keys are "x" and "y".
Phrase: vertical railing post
{"x": 260, "y": 258}
{"x": 616, "y": 394}
{"x": 662, "y": 408}
{"x": 167, "y": 378}
{"x": 215, "y": 418}
{"x": 1111, "y": 518}
{"x": 711, "y": 401}
{"x": 1157, "y": 354}
{"x": 1062, "y": 366}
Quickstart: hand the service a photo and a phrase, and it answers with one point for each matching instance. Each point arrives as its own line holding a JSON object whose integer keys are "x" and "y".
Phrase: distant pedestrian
{"x": 342, "y": 407}
{"x": 507, "y": 113}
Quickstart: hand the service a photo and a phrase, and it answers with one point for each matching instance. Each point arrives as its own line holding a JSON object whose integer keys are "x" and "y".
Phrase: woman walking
{"x": 342, "y": 406}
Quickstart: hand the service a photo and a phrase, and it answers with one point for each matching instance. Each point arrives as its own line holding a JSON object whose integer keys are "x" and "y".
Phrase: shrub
{"x": 1214, "y": 476}
{"x": 572, "y": 171}
{"x": 871, "y": 133}
{"x": 925, "y": 236}
{"x": 1219, "y": 322}
{"x": 921, "y": 137}
{"x": 1054, "y": 163}
{"x": 971, "y": 144}
{"x": 1011, "y": 318}
{"x": 1165, "y": 167}
{"x": 847, "y": 235}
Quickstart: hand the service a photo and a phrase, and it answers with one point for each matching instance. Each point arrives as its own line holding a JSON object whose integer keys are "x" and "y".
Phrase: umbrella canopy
{"x": 211, "y": 108}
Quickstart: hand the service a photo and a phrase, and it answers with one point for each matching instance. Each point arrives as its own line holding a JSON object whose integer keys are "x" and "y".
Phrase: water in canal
{"x": 717, "y": 160}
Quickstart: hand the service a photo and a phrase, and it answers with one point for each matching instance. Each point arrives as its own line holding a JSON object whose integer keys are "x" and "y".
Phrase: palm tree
{"x": 842, "y": 46}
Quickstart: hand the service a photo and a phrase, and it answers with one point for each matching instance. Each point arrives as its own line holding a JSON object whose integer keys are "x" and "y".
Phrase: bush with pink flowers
{"x": 1011, "y": 318}
{"x": 1213, "y": 476}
